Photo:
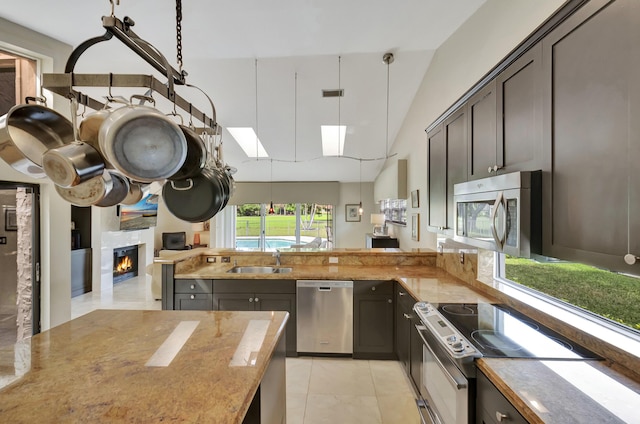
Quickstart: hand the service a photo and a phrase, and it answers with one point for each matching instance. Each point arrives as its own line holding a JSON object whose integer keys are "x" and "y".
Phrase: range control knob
{"x": 451, "y": 339}
{"x": 457, "y": 346}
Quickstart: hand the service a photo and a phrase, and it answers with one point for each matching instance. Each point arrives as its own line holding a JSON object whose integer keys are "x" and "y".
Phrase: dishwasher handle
{"x": 324, "y": 288}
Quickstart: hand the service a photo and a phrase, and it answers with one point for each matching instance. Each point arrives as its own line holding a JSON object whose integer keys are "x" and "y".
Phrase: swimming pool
{"x": 253, "y": 243}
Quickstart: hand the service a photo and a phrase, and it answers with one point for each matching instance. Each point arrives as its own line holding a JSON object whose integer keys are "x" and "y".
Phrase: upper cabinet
{"x": 592, "y": 135}
{"x": 481, "y": 123}
{"x": 447, "y": 166}
{"x": 519, "y": 114}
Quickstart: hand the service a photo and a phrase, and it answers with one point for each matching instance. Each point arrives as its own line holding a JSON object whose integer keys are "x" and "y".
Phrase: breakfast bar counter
{"x": 153, "y": 366}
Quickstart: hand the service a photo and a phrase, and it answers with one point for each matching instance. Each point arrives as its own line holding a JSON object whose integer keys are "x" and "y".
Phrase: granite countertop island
{"x": 147, "y": 366}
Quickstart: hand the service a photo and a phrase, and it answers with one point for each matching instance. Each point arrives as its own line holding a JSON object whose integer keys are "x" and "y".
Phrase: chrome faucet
{"x": 276, "y": 254}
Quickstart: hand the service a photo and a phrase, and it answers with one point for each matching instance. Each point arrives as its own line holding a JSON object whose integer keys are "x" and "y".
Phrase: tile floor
{"x": 319, "y": 389}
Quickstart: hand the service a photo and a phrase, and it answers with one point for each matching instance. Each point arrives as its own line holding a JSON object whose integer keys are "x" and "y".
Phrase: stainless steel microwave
{"x": 501, "y": 213}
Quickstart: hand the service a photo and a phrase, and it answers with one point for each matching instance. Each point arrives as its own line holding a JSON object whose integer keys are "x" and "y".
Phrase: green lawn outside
{"x": 605, "y": 293}
{"x": 279, "y": 225}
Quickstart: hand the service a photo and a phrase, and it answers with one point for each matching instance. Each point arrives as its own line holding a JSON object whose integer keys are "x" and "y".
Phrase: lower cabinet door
{"x": 235, "y": 301}
{"x": 193, "y": 302}
{"x": 373, "y": 326}
{"x": 281, "y": 302}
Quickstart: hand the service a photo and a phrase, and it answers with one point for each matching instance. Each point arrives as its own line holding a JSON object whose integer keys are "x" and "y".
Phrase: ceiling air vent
{"x": 333, "y": 93}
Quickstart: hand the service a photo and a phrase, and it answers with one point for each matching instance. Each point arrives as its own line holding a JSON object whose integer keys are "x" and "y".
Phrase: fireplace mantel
{"x": 103, "y": 271}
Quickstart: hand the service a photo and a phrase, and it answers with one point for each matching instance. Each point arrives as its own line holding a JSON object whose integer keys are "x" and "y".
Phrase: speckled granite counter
{"x": 543, "y": 391}
{"x": 107, "y": 366}
{"x": 565, "y": 391}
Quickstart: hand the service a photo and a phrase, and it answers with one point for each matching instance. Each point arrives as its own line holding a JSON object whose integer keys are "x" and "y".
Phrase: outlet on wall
{"x": 333, "y": 260}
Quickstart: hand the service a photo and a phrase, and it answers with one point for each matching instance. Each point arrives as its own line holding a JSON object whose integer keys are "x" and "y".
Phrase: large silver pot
{"x": 142, "y": 143}
{"x": 27, "y": 131}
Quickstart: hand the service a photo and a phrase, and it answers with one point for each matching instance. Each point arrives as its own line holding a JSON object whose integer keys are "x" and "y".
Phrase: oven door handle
{"x": 460, "y": 382}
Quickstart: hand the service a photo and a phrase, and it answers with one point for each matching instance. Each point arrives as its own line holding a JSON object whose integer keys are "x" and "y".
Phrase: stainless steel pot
{"x": 27, "y": 131}
{"x": 72, "y": 164}
{"x": 89, "y": 192}
{"x": 135, "y": 194}
{"x": 142, "y": 143}
{"x": 117, "y": 193}
{"x": 195, "y": 199}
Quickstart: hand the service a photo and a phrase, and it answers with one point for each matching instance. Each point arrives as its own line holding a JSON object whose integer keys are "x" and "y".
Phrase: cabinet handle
{"x": 193, "y": 286}
{"x": 373, "y": 288}
{"x": 501, "y": 417}
{"x": 250, "y": 299}
{"x": 401, "y": 293}
{"x": 494, "y": 168}
{"x": 257, "y": 300}
{"x": 389, "y": 301}
{"x": 407, "y": 316}
{"x": 193, "y": 296}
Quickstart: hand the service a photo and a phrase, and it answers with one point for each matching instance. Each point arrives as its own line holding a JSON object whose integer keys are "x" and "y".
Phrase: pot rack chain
{"x": 179, "y": 34}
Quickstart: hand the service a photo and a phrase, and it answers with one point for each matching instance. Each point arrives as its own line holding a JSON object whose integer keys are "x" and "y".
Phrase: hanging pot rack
{"x": 65, "y": 84}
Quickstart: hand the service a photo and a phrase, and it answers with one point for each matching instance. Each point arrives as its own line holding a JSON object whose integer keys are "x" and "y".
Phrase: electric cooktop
{"x": 502, "y": 332}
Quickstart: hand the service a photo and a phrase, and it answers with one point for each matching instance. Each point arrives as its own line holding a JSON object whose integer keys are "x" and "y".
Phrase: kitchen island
{"x": 154, "y": 366}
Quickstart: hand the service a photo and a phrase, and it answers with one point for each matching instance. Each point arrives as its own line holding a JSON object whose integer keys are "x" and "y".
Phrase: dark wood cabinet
{"x": 260, "y": 295}
{"x": 482, "y": 134}
{"x": 373, "y": 320}
{"x": 491, "y": 405}
{"x": 193, "y": 294}
{"x": 592, "y": 135}
{"x": 406, "y": 351}
{"x": 519, "y": 114}
{"x": 447, "y": 166}
{"x": 80, "y": 271}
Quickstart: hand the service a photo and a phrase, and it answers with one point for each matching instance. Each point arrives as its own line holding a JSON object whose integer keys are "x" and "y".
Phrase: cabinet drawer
{"x": 194, "y": 286}
{"x": 372, "y": 287}
{"x": 193, "y": 302}
{"x": 255, "y": 286}
{"x": 492, "y": 403}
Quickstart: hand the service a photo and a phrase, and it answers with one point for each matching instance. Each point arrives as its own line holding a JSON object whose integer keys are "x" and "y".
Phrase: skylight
{"x": 333, "y": 139}
{"x": 248, "y": 140}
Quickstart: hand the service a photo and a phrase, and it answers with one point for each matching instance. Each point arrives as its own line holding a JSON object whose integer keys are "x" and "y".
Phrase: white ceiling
{"x": 225, "y": 44}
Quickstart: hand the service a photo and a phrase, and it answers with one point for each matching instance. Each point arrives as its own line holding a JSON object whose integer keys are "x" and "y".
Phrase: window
{"x": 291, "y": 225}
{"x": 607, "y": 297}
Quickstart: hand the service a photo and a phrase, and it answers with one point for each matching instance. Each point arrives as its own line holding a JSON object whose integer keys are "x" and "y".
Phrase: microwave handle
{"x": 494, "y": 214}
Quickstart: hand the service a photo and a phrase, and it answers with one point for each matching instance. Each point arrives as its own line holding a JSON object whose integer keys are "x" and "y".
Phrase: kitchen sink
{"x": 259, "y": 270}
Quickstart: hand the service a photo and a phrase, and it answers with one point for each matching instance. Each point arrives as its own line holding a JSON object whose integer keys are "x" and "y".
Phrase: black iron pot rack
{"x": 64, "y": 84}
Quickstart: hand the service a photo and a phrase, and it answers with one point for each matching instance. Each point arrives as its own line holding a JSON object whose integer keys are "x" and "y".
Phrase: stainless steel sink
{"x": 259, "y": 270}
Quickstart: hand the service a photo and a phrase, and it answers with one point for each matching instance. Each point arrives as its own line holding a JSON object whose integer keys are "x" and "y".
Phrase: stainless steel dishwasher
{"x": 325, "y": 316}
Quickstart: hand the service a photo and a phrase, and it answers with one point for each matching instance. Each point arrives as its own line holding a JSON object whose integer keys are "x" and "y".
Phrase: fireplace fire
{"x": 125, "y": 263}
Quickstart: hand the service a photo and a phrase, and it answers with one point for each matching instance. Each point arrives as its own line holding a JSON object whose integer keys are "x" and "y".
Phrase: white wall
{"x": 477, "y": 46}
{"x": 55, "y": 213}
{"x": 352, "y": 234}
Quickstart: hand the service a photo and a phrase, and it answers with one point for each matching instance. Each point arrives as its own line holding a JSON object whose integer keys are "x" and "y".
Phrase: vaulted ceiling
{"x": 265, "y": 64}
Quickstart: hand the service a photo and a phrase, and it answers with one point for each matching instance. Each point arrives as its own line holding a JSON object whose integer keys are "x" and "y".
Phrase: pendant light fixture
{"x": 271, "y": 211}
{"x": 360, "y": 209}
{"x": 387, "y": 59}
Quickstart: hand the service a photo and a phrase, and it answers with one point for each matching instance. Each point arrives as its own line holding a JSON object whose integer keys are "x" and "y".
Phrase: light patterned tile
{"x": 298, "y": 374}
{"x": 389, "y": 378}
{"x": 341, "y": 377}
{"x": 296, "y": 405}
{"x": 398, "y": 409}
{"x": 341, "y": 409}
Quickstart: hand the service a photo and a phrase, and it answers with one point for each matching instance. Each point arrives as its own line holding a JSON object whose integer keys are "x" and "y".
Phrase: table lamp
{"x": 379, "y": 224}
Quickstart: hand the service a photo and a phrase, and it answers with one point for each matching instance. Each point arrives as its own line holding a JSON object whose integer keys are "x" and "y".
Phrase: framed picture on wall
{"x": 10, "y": 219}
{"x": 415, "y": 199}
{"x": 351, "y": 213}
{"x": 415, "y": 226}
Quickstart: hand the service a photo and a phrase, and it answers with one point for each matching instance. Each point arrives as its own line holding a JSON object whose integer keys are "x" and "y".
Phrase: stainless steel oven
{"x": 455, "y": 334}
{"x": 501, "y": 213}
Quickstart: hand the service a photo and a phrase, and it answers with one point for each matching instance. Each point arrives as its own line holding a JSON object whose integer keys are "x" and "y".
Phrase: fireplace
{"x": 125, "y": 263}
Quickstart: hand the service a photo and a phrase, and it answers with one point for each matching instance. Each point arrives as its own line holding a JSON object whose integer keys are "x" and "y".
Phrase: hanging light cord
{"x": 256, "y": 76}
{"x": 386, "y": 151}
{"x": 295, "y": 118}
{"x": 339, "y": 97}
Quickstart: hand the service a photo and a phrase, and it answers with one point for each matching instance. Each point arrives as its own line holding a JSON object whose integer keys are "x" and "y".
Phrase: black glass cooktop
{"x": 501, "y": 332}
